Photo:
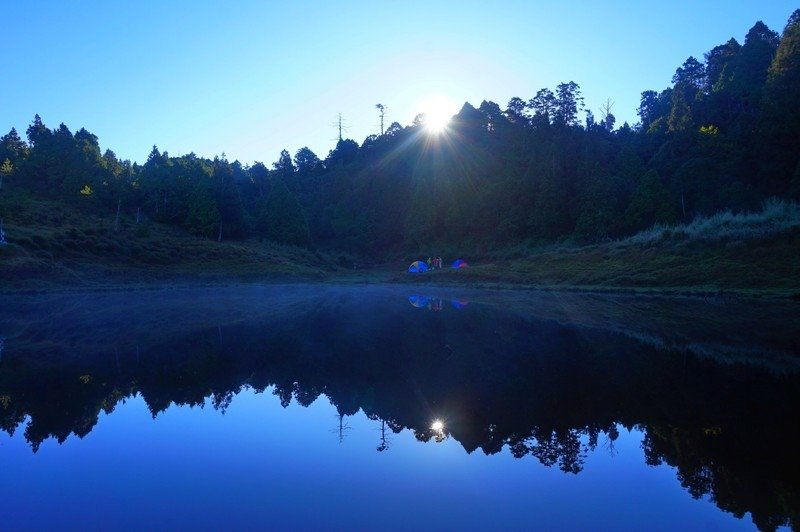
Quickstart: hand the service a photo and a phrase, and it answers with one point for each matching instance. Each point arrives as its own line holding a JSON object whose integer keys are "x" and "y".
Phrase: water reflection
{"x": 435, "y": 303}
{"x": 548, "y": 377}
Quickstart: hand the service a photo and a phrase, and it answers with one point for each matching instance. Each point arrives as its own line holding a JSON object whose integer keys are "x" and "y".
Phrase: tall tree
{"x": 750, "y": 68}
{"x": 691, "y": 73}
{"x": 12, "y": 147}
{"x": 543, "y": 106}
{"x": 229, "y": 202}
{"x": 284, "y": 166}
{"x": 718, "y": 64}
{"x": 568, "y": 103}
{"x": 780, "y": 110}
{"x": 515, "y": 111}
{"x": 306, "y": 161}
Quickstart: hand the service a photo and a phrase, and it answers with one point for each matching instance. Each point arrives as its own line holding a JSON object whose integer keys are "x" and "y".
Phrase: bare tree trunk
{"x": 219, "y": 237}
{"x": 137, "y": 215}
{"x": 683, "y": 206}
{"x": 116, "y": 220}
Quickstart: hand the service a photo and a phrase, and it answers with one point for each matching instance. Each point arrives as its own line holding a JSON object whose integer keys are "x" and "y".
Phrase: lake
{"x": 392, "y": 407}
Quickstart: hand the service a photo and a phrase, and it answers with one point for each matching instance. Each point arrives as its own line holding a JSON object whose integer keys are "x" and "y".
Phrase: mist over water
{"x": 438, "y": 407}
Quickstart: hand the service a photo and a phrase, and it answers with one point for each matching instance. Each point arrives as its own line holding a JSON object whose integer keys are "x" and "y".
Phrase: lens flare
{"x": 438, "y": 110}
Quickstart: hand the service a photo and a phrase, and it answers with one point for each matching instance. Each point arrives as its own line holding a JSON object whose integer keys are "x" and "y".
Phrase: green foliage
{"x": 203, "y": 217}
{"x": 282, "y": 218}
{"x": 718, "y": 64}
{"x": 649, "y": 204}
{"x": 13, "y": 148}
{"x": 600, "y": 215}
{"x": 680, "y": 115}
{"x": 780, "y": 117}
{"x": 229, "y": 202}
{"x": 691, "y": 74}
{"x": 6, "y": 169}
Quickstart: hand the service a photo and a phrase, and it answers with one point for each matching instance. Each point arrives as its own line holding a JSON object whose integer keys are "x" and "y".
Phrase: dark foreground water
{"x": 313, "y": 407}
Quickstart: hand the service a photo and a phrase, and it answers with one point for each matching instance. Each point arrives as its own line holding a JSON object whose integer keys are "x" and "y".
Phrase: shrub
{"x": 776, "y": 216}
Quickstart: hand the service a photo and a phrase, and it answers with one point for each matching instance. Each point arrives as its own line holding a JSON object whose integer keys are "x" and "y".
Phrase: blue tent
{"x": 418, "y": 267}
{"x": 459, "y": 263}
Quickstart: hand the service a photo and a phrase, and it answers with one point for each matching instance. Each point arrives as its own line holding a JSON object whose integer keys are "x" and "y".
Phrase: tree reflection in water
{"x": 543, "y": 379}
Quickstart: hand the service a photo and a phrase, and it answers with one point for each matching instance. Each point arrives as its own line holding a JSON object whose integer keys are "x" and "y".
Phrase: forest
{"x": 723, "y": 136}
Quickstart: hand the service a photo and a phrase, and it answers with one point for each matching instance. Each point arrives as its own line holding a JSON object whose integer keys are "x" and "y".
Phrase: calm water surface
{"x": 314, "y": 407}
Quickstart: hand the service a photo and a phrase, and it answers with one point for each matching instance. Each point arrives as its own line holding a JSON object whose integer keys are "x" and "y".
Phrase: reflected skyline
{"x": 435, "y": 303}
{"x": 540, "y": 377}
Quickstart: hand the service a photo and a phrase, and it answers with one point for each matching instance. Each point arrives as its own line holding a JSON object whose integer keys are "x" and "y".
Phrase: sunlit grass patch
{"x": 776, "y": 216}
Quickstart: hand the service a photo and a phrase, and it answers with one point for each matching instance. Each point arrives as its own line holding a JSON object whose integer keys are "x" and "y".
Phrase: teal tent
{"x": 418, "y": 267}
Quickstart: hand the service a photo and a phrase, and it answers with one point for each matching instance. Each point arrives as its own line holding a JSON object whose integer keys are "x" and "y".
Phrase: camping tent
{"x": 418, "y": 267}
{"x": 459, "y": 263}
{"x": 459, "y": 303}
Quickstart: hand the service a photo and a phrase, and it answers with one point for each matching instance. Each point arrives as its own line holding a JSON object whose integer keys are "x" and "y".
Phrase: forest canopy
{"x": 724, "y": 135}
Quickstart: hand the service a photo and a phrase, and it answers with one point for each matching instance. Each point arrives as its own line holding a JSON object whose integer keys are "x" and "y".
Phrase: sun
{"x": 436, "y": 121}
{"x": 438, "y": 110}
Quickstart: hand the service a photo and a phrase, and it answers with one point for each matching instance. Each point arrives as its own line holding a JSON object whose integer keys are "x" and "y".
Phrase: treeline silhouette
{"x": 723, "y": 136}
{"x": 499, "y": 377}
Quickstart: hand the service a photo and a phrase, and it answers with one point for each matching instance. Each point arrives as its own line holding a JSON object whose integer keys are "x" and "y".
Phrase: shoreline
{"x": 40, "y": 286}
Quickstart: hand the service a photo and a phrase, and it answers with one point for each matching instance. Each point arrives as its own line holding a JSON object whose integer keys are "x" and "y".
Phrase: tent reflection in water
{"x": 418, "y": 301}
{"x": 418, "y": 267}
{"x": 459, "y": 263}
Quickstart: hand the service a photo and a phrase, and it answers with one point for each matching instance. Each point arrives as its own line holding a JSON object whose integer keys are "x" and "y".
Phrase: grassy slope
{"x": 55, "y": 246}
{"x": 758, "y": 267}
{"x": 746, "y": 253}
{"x": 52, "y": 245}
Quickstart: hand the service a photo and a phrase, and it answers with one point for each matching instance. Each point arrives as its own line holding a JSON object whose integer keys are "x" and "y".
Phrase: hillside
{"x": 56, "y": 246}
{"x": 744, "y": 254}
{"x": 53, "y": 245}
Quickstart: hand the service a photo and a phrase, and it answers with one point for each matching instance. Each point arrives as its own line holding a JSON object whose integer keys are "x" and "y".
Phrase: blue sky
{"x": 252, "y": 78}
